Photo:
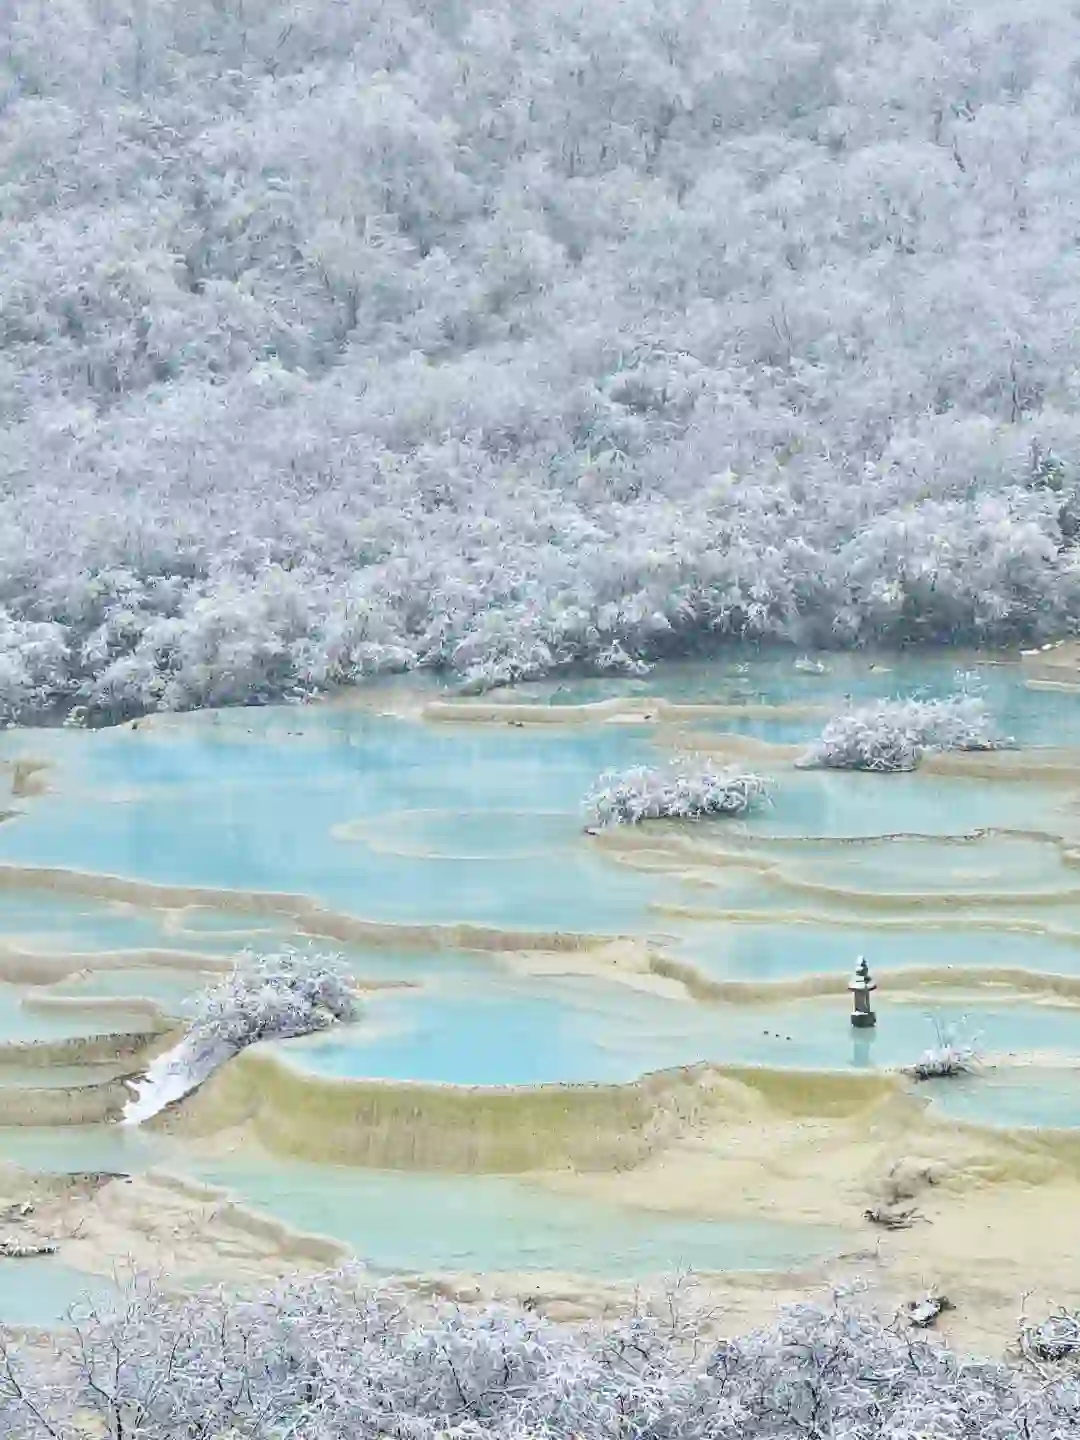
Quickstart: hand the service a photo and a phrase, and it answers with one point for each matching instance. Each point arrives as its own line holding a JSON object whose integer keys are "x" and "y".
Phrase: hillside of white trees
{"x": 495, "y": 336}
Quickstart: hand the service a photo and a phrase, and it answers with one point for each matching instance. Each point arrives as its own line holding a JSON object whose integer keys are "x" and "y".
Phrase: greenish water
{"x": 168, "y": 988}
{"x": 83, "y": 1149}
{"x": 771, "y": 952}
{"x": 770, "y": 678}
{"x": 44, "y": 922}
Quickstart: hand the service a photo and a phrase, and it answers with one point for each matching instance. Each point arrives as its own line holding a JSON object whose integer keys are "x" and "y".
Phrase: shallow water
{"x": 411, "y": 1222}
{"x": 1014, "y": 1099}
{"x": 51, "y": 1077}
{"x": 83, "y": 1149}
{"x": 770, "y": 678}
{"x": 417, "y": 1223}
{"x": 188, "y": 807}
{"x": 170, "y": 989}
{"x": 19, "y": 1021}
{"x": 529, "y": 1035}
{"x": 42, "y": 1291}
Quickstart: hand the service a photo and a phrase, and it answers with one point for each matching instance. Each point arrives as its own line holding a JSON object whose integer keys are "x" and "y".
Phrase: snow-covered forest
{"x": 496, "y": 335}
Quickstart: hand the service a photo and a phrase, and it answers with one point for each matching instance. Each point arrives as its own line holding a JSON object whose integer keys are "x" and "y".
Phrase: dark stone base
{"x": 864, "y": 1020}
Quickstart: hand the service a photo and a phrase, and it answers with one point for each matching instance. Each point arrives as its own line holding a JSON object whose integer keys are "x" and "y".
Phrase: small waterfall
{"x": 266, "y": 997}
{"x": 173, "y": 1075}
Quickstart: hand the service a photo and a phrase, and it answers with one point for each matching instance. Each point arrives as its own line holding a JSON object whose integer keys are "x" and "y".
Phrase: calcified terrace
{"x": 649, "y": 1022}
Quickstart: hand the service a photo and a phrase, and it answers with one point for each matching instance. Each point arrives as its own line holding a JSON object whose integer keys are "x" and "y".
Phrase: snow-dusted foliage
{"x": 1054, "y": 1339}
{"x": 953, "y": 1054}
{"x": 271, "y": 996}
{"x": 892, "y": 735}
{"x": 266, "y": 997}
{"x": 325, "y": 1360}
{"x": 670, "y": 793}
{"x": 339, "y": 337}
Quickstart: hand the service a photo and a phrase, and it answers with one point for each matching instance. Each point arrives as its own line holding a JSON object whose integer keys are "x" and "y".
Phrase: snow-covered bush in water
{"x": 342, "y": 337}
{"x": 265, "y": 997}
{"x": 892, "y": 735}
{"x": 325, "y": 1359}
{"x": 952, "y": 1055}
{"x": 272, "y": 996}
{"x": 673, "y": 792}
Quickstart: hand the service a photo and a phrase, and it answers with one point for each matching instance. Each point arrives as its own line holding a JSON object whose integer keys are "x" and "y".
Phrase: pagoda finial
{"x": 862, "y": 1017}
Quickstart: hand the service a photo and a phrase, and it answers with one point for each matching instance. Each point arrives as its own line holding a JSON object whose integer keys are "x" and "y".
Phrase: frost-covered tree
{"x": 338, "y": 338}
{"x": 893, "y": 735}
{"x": 329, "y": 1359}
{"x": 679, "y": 791}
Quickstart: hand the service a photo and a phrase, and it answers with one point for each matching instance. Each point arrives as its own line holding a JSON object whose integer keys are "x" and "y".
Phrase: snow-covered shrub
{"x": 266, "y": 997}
{"x": 952, "y": 1055}
{"x": 271, "y": 996}
{"x": 325, "y": 1359}
{"x": 670, "y": 793}
{"x": 892, "y": 735}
